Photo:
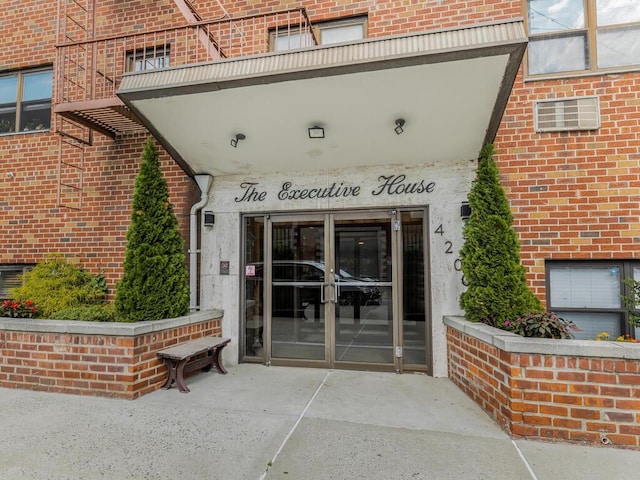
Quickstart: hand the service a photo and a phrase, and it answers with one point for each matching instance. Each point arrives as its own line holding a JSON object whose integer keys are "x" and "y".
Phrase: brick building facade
{"x": 571, "y": 169}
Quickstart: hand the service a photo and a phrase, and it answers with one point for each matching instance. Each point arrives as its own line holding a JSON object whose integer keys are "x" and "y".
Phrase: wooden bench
{"x": 198, "y": 354}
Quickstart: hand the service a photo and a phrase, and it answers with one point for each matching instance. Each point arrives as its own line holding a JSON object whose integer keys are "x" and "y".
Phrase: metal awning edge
{"x": 375, "y": 53}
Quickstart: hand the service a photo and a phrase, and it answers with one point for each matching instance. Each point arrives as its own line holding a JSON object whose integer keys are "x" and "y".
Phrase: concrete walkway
{"x": 265, "y": 423}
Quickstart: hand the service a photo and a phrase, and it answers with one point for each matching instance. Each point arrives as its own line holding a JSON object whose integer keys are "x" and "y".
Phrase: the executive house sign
{"x": 387, "y": 185}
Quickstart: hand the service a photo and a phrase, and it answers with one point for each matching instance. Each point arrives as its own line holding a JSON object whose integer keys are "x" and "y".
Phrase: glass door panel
{"x": 254, "y": 286}
{"x": 363, "y": 293}
{"x": 344, "y": 290}
{"x": 413, "y": 292}
{"x": 297, "y": 290}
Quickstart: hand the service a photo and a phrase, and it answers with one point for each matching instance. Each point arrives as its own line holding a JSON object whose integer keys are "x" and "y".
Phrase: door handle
{"x": 322, "y": 289}
{"x": 336, "y": 288}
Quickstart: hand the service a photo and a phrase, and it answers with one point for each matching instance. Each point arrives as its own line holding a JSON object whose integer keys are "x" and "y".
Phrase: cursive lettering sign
{"x": 334, "y": 191}
{"x": 250, "y": 194}
{"x": 397, "y": 185}
{"x": 388, "y": 184}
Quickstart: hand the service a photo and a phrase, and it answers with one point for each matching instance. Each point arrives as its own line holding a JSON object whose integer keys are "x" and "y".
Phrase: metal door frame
{"x": 396, "y": 287}
{"x": 329, "y": 218}
{"x": 268, "y": 285}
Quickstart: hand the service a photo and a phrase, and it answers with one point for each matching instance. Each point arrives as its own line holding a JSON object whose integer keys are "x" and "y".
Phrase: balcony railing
{"x": 88, "y": 73}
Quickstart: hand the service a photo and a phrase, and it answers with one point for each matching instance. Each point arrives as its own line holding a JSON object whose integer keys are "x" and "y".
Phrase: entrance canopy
{"x": 445, "y": 90}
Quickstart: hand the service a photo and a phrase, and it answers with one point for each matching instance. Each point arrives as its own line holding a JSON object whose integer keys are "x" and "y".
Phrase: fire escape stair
{"x": 108, "y": 116}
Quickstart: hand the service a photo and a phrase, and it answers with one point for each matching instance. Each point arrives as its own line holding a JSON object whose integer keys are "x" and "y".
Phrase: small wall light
{"x": 465, "y": 210}
{"x": 316, "y": 132}
{"x": 399, "y": 124}
{"x": 209, "y": 218}
{"x": 236, "y": 139}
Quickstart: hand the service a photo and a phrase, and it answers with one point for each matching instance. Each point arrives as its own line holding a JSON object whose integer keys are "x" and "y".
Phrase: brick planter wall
{"x": 569, "y": 390}
{"x": 86, "y": 358}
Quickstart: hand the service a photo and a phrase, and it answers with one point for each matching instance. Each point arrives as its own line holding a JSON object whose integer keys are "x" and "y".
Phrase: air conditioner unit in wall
{"x": 567, "y": 114}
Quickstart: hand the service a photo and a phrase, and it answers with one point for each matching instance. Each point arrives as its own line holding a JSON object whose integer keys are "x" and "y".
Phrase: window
{"x": 567, "y": 114}
{"x": 148, "y": 59}
{"x": 590, "y": 294}
{"x": 326, "y": 33}
{"x": 582, "y": 35}
{"x": 11, "y": 277}
{"x": 284, "y": 40}
{"x": 25, "y": 101}
{"x": 342, "y": 31}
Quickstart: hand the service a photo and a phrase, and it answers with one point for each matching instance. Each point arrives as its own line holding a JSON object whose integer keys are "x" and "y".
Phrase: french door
{"x": 334, "y": 292}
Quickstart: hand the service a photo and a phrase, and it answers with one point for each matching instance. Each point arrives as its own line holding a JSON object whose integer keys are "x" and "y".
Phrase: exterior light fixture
{"x": 209, "y": 218}
{"x": 236, "y": 139}
{"x": 465, "y": 210}
{"x": 399, "y": 124}
{"x": 316, "y": 132}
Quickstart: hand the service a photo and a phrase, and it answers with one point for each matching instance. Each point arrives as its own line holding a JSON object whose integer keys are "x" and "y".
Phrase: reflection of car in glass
{"x": 299, "y": 283}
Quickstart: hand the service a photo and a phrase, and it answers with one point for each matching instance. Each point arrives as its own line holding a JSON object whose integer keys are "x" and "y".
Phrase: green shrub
{"x": 632, "y": 301}
{"x": 497, "y": 286}
{"x": 55, "y": 284}
{"x": 86, "y": 313}
{"x": 154, "y": 284}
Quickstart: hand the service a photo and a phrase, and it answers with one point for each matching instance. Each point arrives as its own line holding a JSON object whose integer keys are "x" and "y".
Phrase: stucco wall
{"x": 222, "y": 241}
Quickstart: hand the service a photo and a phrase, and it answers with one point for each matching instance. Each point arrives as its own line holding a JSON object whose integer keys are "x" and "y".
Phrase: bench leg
{"x": 180, "y": 377}
{"x": 217, "y": 359}
{"x": 176, "y": 374}
{"x": 171, "y": 366}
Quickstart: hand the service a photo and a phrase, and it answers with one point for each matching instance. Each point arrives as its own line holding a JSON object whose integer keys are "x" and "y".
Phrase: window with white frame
{"x": 325, "y": 33}
{"x": 148, "y": 58}
{"x": 25, "y": 101}
{"x": 11, "y": 277}
{"x": 582, "y": 35}
{"x": 590, "y": 294}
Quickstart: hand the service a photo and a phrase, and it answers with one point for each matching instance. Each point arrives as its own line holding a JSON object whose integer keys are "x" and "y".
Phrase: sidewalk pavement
{"x": 267, "y": 423}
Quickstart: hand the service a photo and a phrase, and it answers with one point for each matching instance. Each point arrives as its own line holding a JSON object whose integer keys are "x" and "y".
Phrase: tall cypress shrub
{"x": 154, "y": 284}
{"x": 497, "y": 286}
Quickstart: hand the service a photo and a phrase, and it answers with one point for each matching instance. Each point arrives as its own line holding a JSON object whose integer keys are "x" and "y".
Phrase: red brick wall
{"x": 386, "y": 17}
{"x": 95, "y": 235}
{"x": 33, "y": 223}
{"x": 101, "y": 365}
{"x": 550, "y": 397}
{"x": 574, "y": 195}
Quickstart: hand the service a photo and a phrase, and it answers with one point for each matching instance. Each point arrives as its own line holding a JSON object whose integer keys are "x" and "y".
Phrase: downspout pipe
{"x": 204, "y": 182}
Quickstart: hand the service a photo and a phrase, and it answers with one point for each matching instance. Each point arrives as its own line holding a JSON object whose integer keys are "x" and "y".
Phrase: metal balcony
{"x": 88, "y": 73}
